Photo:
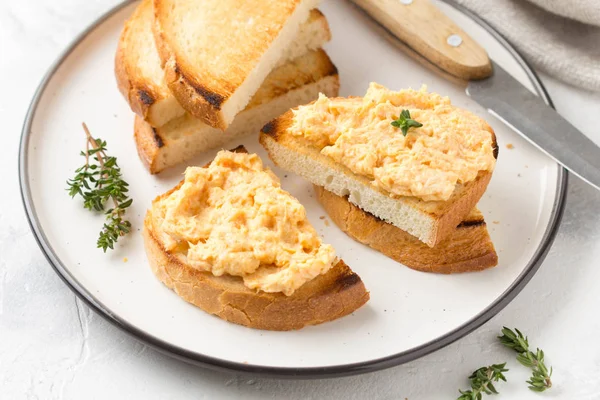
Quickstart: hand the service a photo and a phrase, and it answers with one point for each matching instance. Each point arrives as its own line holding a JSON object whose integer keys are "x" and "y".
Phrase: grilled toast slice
{"x": 467, "y": 248}
{"x": 429, "y": 221}
{"x": 294, "y": 83}
{"x": 328, "y": 296}
{"x": 141, "y": 79}
{"x": 217, "y": 53}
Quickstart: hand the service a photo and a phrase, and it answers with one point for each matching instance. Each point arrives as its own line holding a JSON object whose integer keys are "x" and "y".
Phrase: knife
{"x": 431, "y": 37}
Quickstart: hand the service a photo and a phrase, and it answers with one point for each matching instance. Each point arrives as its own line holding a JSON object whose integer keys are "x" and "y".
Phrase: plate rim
{"x": 284, "y": 372}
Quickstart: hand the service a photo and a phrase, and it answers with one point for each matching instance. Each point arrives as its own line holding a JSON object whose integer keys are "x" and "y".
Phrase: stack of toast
{"x": 228, "y": 238}
{"x": 198, "y": 74}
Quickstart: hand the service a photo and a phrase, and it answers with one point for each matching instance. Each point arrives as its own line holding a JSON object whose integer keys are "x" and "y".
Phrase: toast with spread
{"x": 424, "y": 181}
{"x": 229, "y": 240}
{"x": 468, "y": 248}
{"x": 216, "y": 53}
{"x": 296, "y": 82}
{"x": 141, "y": 78}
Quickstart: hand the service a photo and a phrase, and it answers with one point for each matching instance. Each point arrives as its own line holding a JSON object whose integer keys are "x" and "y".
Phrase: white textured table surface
{"x": 53, "y": 347}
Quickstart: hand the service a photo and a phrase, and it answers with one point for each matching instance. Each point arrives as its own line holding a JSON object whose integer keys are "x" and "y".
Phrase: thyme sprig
{"x": 540, "y": 378}
{"x": 99, "y": 181}
{"x": 405, "y": 122}
{"x": 482, "y": 382}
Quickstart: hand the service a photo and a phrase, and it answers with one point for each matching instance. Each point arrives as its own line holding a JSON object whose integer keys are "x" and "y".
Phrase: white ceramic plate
{"x": 410, "y": 313}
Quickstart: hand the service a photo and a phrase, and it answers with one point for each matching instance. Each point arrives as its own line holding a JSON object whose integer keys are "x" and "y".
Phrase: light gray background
{"x": 53, "y": 347}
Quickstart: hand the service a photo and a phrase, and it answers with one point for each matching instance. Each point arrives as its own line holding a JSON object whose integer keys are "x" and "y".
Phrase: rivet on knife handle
{"x": 430, "y": 33}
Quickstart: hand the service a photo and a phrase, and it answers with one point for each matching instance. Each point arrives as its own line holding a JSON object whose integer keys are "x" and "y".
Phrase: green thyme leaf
{"x": 482, "y": 382}
{"x": 405, "y": 122}
{"x": 540, "y": 378}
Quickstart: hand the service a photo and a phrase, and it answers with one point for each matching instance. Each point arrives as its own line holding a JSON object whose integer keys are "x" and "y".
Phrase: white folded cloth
{"x": 560, "y": 37}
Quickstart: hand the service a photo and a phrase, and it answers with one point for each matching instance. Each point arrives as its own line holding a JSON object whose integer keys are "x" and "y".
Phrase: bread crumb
{"x": 125, "y": 259}
{"x": 519, "y": 175}
{"x": 495, "y": 222}
{"x": 510, "y": 146}
{"x": 322, "y": 217}
{"x": 326, "y": 222}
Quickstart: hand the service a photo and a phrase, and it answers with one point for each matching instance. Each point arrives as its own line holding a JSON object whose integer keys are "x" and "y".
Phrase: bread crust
{"x": 442, "y": 217}
{"x": 130, "y": 83}
{"x": 200, "y": 101}
{"x": 333, "y": 295}
{"x": 468, "y": 248}
{"x": 148, "y": 144}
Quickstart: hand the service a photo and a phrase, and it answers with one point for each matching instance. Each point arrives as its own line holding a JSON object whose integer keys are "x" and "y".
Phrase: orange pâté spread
{"x": 237, "y": 220}
{"x": 451, "y": 147}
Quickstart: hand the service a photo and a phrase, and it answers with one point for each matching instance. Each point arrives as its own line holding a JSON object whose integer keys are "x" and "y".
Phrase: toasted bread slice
{"x": 140, "y": 76}
{"x": 217, "y": 53}
{"x": 467, "y": 248}
{"x": 297, "y": 82}
{"x": 429, "y": 221}
{"x": 332, "y": 295}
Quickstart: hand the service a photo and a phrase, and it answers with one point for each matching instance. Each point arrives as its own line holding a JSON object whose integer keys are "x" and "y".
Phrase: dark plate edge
{"x": 280, "y": 372}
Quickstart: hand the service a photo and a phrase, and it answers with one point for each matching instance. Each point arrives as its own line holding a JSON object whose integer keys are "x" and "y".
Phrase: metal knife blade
{"x": 528, "y": 115}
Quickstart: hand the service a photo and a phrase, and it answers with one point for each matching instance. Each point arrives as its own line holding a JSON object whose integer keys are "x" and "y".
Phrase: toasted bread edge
{"x": 468, "y": 248}
{"x": 135, "y": 92}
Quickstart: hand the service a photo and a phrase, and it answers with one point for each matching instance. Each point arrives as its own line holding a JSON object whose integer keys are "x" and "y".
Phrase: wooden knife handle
{"x": 431, "y": 34}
